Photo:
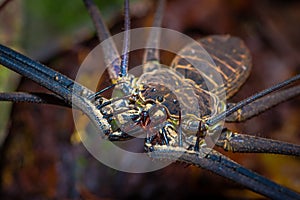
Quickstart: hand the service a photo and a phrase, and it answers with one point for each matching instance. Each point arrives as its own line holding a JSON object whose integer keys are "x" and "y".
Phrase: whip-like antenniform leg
{"x": 111, "y": 54}
{"x": 33, "y": 97}
{"x": 126, "y": 41}
{"x": 260, "y": 105}
{"x": 251, "y": 99}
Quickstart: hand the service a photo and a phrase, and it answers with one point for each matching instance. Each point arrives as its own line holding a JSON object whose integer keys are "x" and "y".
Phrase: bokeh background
{"x": 41, "y": 156}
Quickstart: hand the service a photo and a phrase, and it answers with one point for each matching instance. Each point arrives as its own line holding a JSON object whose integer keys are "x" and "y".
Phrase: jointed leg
{"x": 214, "y": 161}
{"x": 262, "y": 104}
{"x": 110, "y": 51}
{"x": 151, "y": 57}
{"x": 33, "y": 97}
{"x": 43, "y": 75}
{"x": 235, "y": 142}
{"x": 260, "y": 95}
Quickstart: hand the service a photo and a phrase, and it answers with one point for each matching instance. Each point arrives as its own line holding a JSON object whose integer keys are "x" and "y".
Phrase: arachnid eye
{"x": 160, "y": 98}
{"x": 145, "y": 114}
{"x": 153, "y": 90}
{"x": 175, "y": 101}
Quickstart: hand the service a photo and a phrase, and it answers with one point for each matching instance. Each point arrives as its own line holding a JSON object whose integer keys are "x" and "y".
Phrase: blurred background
{"x": 41, "y": 156}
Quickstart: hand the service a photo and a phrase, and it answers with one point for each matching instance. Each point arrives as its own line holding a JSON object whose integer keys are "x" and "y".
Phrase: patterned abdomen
{"x": 231, "y": 60}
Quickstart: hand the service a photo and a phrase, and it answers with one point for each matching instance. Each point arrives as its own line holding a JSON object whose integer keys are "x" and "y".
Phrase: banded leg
{"x": 215, "y": 162}
{"x": 262, "y": 104}
{"x": 151, "y": 56}
{"x": 235, "y": 142}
